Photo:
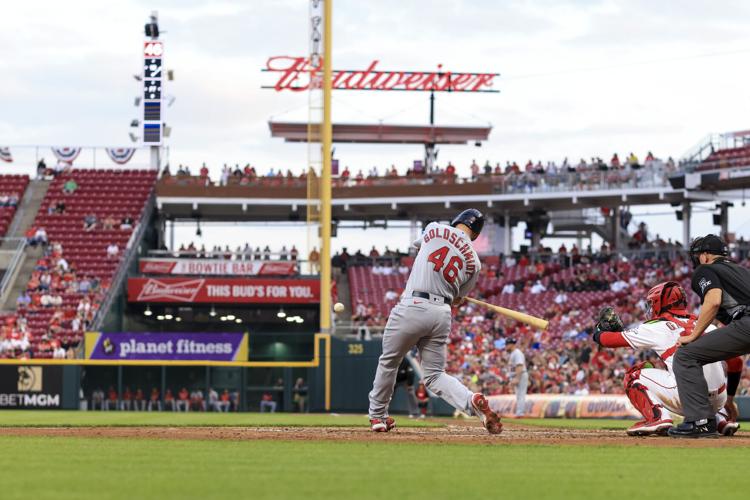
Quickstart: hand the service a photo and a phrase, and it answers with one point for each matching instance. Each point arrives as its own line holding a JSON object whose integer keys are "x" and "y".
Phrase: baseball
{"x": 338, "y": 307}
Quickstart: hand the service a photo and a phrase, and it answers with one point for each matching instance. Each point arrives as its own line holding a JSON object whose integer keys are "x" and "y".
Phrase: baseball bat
{"x": 510, "y": 313}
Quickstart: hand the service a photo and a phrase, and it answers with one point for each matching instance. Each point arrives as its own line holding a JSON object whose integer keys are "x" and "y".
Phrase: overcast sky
{"x": 579, "y": 78}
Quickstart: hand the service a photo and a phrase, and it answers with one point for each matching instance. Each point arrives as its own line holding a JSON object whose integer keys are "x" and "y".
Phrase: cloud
{"x": 576, "y": 77}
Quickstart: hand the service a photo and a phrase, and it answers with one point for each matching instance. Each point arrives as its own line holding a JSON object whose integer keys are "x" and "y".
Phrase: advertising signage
{"x": 38, "y": 387}
{"x": 298, "y": 74}
{"x": 146, "y": 346}
{"x": 216, "y": 267}
{"x": 224, "y": 290}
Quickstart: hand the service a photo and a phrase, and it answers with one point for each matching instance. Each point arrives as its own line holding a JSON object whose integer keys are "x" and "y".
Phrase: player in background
{"x": 653, "y": 391}
{"x": 405, "y": 377}
{"x": 519, "y": 377}
{"x": 445, "y": 270}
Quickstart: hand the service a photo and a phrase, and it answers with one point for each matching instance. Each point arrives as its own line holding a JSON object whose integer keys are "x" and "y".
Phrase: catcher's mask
{"x": 666, "y": 297}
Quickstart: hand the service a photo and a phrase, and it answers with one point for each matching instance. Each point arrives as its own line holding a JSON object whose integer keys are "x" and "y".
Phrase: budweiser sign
{"x": 158, "y": 291}
{"x": 211, "y": 267}
{"x": 298, "y": 74}
{"x": 224, "y": 290}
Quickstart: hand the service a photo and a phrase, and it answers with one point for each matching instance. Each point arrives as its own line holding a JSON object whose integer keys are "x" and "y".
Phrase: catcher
{"x": 653, "y": 391}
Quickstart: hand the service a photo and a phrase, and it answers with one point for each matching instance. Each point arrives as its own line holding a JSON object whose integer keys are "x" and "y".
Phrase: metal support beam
{"x": 507, "y": 236}
{"x": 616, "y": 243}
{"x": 686, "y": 213}
{"x": 413, "y": 229}
{"x": 155, "y": 162}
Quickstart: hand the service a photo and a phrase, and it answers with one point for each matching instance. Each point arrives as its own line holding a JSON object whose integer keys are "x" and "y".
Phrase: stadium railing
{"x": 655, "y": 174}
{"x": 131, "y": 250}
{"x": 13, "y": 250}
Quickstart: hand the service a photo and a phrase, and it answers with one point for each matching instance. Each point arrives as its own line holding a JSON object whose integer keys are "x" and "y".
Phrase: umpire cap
{"x": 471, "y": 218}
{"x": 710, "y": 244}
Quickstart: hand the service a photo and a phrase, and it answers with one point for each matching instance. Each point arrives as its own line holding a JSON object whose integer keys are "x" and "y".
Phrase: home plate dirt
{"x": 463, "y": 433}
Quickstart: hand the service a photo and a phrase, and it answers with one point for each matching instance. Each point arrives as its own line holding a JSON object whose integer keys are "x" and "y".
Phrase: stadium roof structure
{"x": 264, "y": 203}
{"x": 381, "y": 133}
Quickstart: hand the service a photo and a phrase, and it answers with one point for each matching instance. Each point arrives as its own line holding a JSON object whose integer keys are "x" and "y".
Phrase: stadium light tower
{"x": 152, "y": 78}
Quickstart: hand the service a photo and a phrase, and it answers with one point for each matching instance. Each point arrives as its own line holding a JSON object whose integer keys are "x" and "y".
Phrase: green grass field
{"x": 103, "y": 468}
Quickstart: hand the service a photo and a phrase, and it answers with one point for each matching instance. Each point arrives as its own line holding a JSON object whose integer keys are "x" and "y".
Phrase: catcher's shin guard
{"x": 639, "y": 396}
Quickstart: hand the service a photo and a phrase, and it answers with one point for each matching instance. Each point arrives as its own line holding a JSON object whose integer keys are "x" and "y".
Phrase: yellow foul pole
{"x": 325, "y": 178}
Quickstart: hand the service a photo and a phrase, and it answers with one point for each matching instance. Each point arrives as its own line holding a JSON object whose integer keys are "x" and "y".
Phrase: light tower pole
{"x": 152, "y": 129}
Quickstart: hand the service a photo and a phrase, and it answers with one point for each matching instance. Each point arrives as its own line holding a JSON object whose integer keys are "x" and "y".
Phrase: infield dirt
{"x": 463, "y": 433}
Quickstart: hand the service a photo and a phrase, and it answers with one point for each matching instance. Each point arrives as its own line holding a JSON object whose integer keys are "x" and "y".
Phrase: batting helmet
{"x": 707, "y": 244}
{"x": 666, "y": 297}
{"x": 471, "y": 218}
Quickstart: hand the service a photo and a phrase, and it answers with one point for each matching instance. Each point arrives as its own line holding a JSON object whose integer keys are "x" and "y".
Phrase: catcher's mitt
{"x": 609, "y": 321}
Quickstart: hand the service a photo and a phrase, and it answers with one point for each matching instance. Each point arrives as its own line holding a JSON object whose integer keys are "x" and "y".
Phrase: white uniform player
{"x": 445, "y": 270}
{"x": 652, "y": 391}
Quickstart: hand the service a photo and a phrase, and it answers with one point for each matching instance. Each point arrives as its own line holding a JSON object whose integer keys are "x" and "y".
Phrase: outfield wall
{"x": 336, "y": 383}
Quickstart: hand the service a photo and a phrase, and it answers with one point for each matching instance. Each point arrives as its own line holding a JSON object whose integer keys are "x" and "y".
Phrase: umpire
{"x": 724, "y": 289}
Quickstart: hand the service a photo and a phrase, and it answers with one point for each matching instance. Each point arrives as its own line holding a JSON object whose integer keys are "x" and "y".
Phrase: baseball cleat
{"x": 653, "y": 428}
{"x": 727, "y": 428}
{"x": 704, "y": 428}
{"x": 382, "y": 424}
{"x": 490, "y": 419}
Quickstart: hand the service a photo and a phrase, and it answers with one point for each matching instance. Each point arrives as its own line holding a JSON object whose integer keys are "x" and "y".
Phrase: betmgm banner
{"x": 31, "y": 387}
{"x": 566, "y": 406}
{"x": 146, "y": 346}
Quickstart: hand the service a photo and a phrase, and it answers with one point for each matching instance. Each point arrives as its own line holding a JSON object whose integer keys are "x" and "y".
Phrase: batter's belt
{"x": 432, "y": 297}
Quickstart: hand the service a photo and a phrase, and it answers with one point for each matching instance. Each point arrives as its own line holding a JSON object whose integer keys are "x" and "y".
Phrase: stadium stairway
{"x": 28, "y": 208}
{"x": 22, "y": 221}
{"x": 21, "y": 279}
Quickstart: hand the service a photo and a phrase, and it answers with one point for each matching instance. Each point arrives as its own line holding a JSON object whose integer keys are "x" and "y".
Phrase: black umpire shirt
{"x": 734, "y": 282}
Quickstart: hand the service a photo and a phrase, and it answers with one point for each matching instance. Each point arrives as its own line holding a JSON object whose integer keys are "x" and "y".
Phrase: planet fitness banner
{"x": 208, "y": 267}
{"x": 567, "y": 406}
{"x": 167, "y": 346}
{"x": 224, "y": 290}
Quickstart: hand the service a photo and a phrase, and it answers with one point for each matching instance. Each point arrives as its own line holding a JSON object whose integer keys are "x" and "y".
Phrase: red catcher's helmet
{"x": 666, "y": 297}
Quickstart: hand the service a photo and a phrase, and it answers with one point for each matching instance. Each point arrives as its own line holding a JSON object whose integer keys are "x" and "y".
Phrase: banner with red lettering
{"x": 216, "y": 267}
{"x": 566, "y": 406}
{"x": 224, "y": 290}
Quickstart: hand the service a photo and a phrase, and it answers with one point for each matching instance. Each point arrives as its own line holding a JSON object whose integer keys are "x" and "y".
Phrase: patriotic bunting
{"x": 5, "y": 155}
{"x": 120, "y": 155}
{"x": 67, "y": 155}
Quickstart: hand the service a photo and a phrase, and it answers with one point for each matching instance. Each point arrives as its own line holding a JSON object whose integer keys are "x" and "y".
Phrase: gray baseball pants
{"x": 521, "y": 388}
{"x": 721, "y": 344}
{"x": 426, "y": 325}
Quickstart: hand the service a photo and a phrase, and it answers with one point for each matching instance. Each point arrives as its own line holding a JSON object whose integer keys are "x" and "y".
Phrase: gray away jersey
{"x": 446, "y": 263}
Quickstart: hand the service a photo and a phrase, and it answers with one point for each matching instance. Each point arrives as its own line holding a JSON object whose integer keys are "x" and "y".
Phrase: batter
{"x": 445, "y": 270}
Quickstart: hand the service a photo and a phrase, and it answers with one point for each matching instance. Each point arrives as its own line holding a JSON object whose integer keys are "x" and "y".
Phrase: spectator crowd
{"x": 583, "y": 174}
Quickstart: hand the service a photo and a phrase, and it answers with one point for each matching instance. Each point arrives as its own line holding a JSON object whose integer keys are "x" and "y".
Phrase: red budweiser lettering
{"x": 180, "y": 291}
{"x": 296, "y": 73}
